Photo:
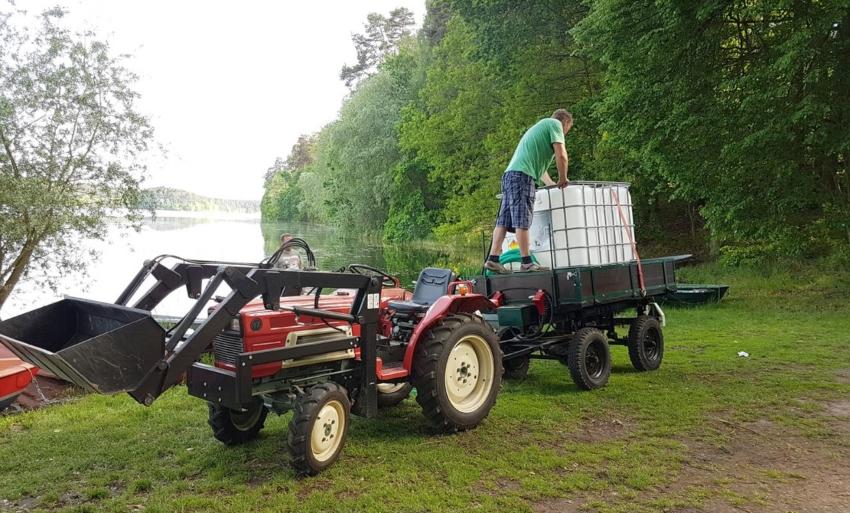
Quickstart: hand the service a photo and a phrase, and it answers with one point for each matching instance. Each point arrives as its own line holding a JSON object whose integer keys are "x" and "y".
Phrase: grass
{"x": 621, "y": 448}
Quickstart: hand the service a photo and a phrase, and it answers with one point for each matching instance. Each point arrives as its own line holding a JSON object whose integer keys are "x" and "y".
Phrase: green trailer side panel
{"x": 580, "y": 287}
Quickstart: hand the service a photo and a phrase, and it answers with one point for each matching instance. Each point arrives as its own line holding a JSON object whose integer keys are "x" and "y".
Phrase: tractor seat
{"x": 431, "y": 285}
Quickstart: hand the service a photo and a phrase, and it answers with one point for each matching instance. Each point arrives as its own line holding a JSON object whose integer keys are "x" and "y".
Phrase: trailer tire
{"x": 463, "y": 351}
{"x": 646, "y": 343}
{"x": 318, "y": 428}
{"x": 391, "y": 394}
{"x": 589, "y": 359}
{"x": 516, "y": 369}
{"x": 233, "y": 427}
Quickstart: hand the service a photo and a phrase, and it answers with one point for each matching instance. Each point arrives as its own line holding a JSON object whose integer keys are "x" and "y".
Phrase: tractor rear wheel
{"x": 318, "y": 428}
{"x": 234, "y": 427}
{"x": 457, "y": 372}
{"x": 589, "y": 359}
{"x": 646, "y": 343}
{"x": 391, "y": 394}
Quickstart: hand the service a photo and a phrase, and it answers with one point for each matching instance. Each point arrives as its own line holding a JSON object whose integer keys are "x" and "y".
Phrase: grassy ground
{"x": 710, "y": 430}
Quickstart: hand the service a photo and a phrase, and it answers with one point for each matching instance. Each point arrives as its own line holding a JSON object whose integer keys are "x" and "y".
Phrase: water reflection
{"x": 229, "y": 239}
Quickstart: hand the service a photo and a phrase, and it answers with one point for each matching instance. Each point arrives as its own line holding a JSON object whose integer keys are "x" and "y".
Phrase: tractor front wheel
{"x": 234, "y": 427}
{"x": 457, "y": 372}
{"x": 589, "y": 359}
{"x": 318, "y": 428}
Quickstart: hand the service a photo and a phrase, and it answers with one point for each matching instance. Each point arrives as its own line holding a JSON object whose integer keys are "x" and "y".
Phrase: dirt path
{"x": 762, "y": 467}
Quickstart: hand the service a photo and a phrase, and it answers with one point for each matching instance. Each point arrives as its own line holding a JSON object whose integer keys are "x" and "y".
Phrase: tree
{"x": 283, "y": 196}
{"x": 381, "y": 37}
{"x": 740, "y": 107}
{"x": 69, "y": 137}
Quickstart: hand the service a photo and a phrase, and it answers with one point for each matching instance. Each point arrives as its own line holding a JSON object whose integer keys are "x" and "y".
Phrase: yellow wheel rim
{"x": 469, "y": 374}
{"x": 326, "y": 435}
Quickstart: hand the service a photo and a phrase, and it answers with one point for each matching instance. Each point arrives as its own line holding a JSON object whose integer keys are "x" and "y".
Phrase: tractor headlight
{"x": 234, "y": 325}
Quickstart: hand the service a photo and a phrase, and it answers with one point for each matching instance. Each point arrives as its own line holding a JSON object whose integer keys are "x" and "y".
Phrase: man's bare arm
{"x": 563, "y": 163}
{"x": 547, "y": 180}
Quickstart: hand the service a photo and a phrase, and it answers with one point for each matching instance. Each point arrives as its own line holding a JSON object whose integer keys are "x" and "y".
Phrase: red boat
{"x": 15, "y": 376}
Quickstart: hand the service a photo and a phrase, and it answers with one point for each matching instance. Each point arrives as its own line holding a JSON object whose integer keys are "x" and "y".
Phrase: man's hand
{"x": 563, "y": 163}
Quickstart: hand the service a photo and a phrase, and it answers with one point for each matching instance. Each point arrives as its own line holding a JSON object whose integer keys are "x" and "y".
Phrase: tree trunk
{"x": 692, "y": 220}
{"x": 18, "y": 267}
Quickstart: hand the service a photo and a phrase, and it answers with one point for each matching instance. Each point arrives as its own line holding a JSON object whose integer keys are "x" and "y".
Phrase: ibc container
{"x": 586, "y": 223}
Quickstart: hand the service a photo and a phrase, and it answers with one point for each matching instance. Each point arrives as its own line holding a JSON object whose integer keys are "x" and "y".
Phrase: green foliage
{"x": 175, "y": 199}
{"x": 745, "y": 120}
{"x": 729, "y": 119}
{"x": 283, "y": 199}
{"x": 69, "y": 141}
{"x": 381, "y": 37}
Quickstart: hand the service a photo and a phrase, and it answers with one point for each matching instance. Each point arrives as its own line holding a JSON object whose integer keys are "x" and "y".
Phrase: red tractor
{"x": 364, "y": 343}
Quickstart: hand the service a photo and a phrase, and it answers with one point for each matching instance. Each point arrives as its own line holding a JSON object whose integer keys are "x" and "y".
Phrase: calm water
{"x": 230, "y": 239}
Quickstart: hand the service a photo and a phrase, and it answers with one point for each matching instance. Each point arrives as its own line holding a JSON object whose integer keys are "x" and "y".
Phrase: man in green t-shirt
{"x": 539, "y": 146}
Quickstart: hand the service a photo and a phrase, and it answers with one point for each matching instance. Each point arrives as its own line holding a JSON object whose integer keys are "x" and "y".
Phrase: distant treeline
{"x": 730, "y": 119}
{"x": 166, "y": 198}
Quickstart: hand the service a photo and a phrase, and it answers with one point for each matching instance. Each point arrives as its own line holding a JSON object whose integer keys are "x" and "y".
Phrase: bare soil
{"x": 42, "y": 391}
{"x": 762, "y": 467}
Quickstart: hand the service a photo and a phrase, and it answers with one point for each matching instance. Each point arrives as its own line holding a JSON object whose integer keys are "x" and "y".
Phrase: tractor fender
{"x": 445, "y": 305}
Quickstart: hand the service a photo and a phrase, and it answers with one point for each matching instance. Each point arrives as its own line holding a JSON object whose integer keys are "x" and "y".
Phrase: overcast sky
{"x": 229, "y": 86}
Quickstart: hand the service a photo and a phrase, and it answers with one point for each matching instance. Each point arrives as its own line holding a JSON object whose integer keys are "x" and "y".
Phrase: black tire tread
{"x": 223, "y": 429}
{"x": 390, "y": 400}
{"x": 428, "y": 353}
{"x": 517, "y": 368}
{"x": 576, "y": 362}
{"x": 635, "y": 343}
{"x": 298, "y": 434}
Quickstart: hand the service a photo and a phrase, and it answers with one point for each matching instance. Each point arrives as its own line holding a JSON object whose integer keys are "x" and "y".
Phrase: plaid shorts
{"x": 517, "y": 207}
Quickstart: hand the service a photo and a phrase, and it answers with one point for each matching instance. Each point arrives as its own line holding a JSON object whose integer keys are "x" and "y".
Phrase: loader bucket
{"x": 100, "y": 347}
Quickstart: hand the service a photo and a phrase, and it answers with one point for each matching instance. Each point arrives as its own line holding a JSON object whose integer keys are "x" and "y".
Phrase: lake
{"x": 225, "y": 237}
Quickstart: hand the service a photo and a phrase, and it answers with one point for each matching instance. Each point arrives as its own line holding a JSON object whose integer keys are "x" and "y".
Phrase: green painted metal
{"x": 585, "y": 286}
{"x": 517, "y": 315}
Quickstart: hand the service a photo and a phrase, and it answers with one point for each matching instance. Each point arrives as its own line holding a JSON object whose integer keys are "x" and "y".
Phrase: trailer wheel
{"x": 318, "y": 428}
{"x": 589, "y": 359}
{"x": 457, "y": 372}
{"x": 515, "y": 368}
{"x": 646, "y": 343}
{"x": 391, "y": 394}
{"x": 234, "y": 427}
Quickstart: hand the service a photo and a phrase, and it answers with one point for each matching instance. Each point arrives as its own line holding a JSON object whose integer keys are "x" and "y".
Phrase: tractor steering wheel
{"x": 387, "y": 280}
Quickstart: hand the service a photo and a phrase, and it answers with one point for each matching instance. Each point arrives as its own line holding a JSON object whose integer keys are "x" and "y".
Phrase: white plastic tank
{"x": 586, "y": 223}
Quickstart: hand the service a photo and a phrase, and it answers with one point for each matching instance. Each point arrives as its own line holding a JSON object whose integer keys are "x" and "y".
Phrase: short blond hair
{"x": 563, "y": 115}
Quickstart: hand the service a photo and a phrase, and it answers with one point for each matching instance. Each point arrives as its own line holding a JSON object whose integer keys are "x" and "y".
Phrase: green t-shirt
{"x": 534, "y": 153}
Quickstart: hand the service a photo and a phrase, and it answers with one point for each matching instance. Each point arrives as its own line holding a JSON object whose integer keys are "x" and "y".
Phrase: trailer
{"x": 571, "y": 315}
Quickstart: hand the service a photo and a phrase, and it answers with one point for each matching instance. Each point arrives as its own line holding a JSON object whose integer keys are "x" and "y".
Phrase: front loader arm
{"x": 110, "y": 348}
{"x": 245, "y": 287}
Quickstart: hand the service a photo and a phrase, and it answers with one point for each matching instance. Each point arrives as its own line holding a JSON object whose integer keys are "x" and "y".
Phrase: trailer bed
{"x": 575, "y": 288}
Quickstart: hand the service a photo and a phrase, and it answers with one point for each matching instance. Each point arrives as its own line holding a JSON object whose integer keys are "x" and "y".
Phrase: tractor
{"x": 278, "y": 343}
